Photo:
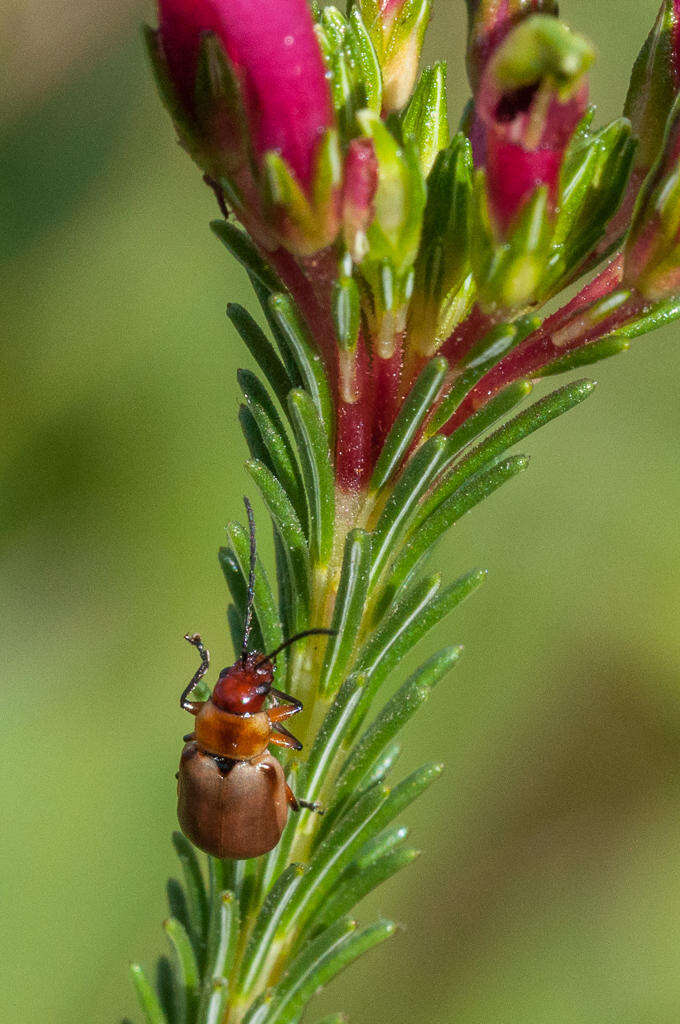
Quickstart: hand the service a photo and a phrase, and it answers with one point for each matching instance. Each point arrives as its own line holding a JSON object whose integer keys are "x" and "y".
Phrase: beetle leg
{"x": 297, "y": 704}
{"x": 280, "y": 737}
{"x": 193, "y": 706}
{"x": 188, "y": 737}
{"x": 297, "y": 805}
{"x": 280, "y": 712}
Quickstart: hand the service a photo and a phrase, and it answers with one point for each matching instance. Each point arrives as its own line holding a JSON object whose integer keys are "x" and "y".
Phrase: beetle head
{"x": 243, "y": 687}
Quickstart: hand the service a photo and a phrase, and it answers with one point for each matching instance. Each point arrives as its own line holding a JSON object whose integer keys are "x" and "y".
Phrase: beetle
{"x": 232, "y": 795}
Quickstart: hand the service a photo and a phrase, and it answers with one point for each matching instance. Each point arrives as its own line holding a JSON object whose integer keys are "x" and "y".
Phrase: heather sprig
{"x": 401, "y": 271}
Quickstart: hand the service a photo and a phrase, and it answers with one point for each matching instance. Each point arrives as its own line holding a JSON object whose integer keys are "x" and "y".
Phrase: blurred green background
{"x": 549, "y": 887}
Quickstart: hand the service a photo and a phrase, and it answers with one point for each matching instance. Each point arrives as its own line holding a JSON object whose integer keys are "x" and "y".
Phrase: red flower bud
{"x": 275, "y": 55}
{"x": 360, "y": 187}
{"x": 489, "y": 22}
{"x": 532, "y": 95}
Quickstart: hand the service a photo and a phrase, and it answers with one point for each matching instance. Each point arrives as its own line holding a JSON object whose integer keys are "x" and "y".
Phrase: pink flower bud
{"x": 489, "y": 22}
{"x": 531, "y": 97}
{"x": 275, "y": 55}
{"x": 360, "y": 186}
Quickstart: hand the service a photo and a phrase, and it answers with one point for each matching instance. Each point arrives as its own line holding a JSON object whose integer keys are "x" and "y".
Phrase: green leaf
{"x": 195, "y": 888}
{"x": 266, "y": 925}
{"x": 148, "y": 1000}
{"x": 376, "y": 775}
{"x": 417, "y": 476}
{"x": 531, "y": 419}
{"x": 186, "y": 967}
{"x": 242, "y": 249}
{"x": 359, "y": 880}
{"x": 264, "y": 604}
{"x": 292, "y": 537}
{"x": 409, "y": 421}
{"x": 251, "y": 432}
{"x": 280, "y": 453}
{"x": 172, "y": 1002}
{"x": 307, "y": 359}
{"x": 486, "y": 354}
{"x": 317, "y": 472}
{"x": 238, "y": 590}
{"x": 348, "y": 609}
{"x": 319, "y": 962}
{"x": 330, "y": 737}
{"x": 393, "y": 717}
{"x": 495, "y": 409}
{"x": 330, "y": 860}
{"x": 222, "y": 941}
{"x": 262, "y": 351}
{"x": 593, "y": 353}
{"x": 422, "y": 538}
{"x": 660, "y": 314}
{"x": 413, "y": 615}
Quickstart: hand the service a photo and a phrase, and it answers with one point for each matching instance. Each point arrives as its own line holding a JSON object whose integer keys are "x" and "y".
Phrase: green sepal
{"x": 409, "y": 420}
{"x": 653, "y": 84}
{"x": 509, "y": 271}
{"x": 348, "y": 609}
{"x": 394, "y": 233}
{"x": 346, "y": 309}
{"x": 184, "y": 125}
{"x": 366, "y": 60}
{"x": 425, "y": 119}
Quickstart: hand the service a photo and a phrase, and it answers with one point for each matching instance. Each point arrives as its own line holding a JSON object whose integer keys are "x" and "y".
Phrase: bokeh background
{"x": 549, "y": 887}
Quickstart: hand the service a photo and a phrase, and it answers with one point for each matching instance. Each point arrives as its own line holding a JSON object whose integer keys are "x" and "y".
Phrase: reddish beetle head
{"x": 243, "y": 687}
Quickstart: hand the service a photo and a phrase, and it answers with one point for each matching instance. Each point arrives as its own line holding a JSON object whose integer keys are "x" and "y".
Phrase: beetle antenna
{"x": 251, "y": 583}
{"x": 294, "y": 639}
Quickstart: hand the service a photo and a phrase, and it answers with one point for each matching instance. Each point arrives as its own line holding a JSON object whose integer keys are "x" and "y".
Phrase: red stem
{"x": 539, "y": 349}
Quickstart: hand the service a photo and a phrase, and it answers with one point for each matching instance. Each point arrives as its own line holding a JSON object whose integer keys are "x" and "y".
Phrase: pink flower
{"x": 275, "y": 55}
{"x": 532, "y": 94}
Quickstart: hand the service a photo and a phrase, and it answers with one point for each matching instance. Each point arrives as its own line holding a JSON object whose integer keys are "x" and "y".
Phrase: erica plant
{"x": 401, "y": 269}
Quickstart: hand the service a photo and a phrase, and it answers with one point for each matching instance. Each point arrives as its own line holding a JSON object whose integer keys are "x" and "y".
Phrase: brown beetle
{"x": 232, "y": 795}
